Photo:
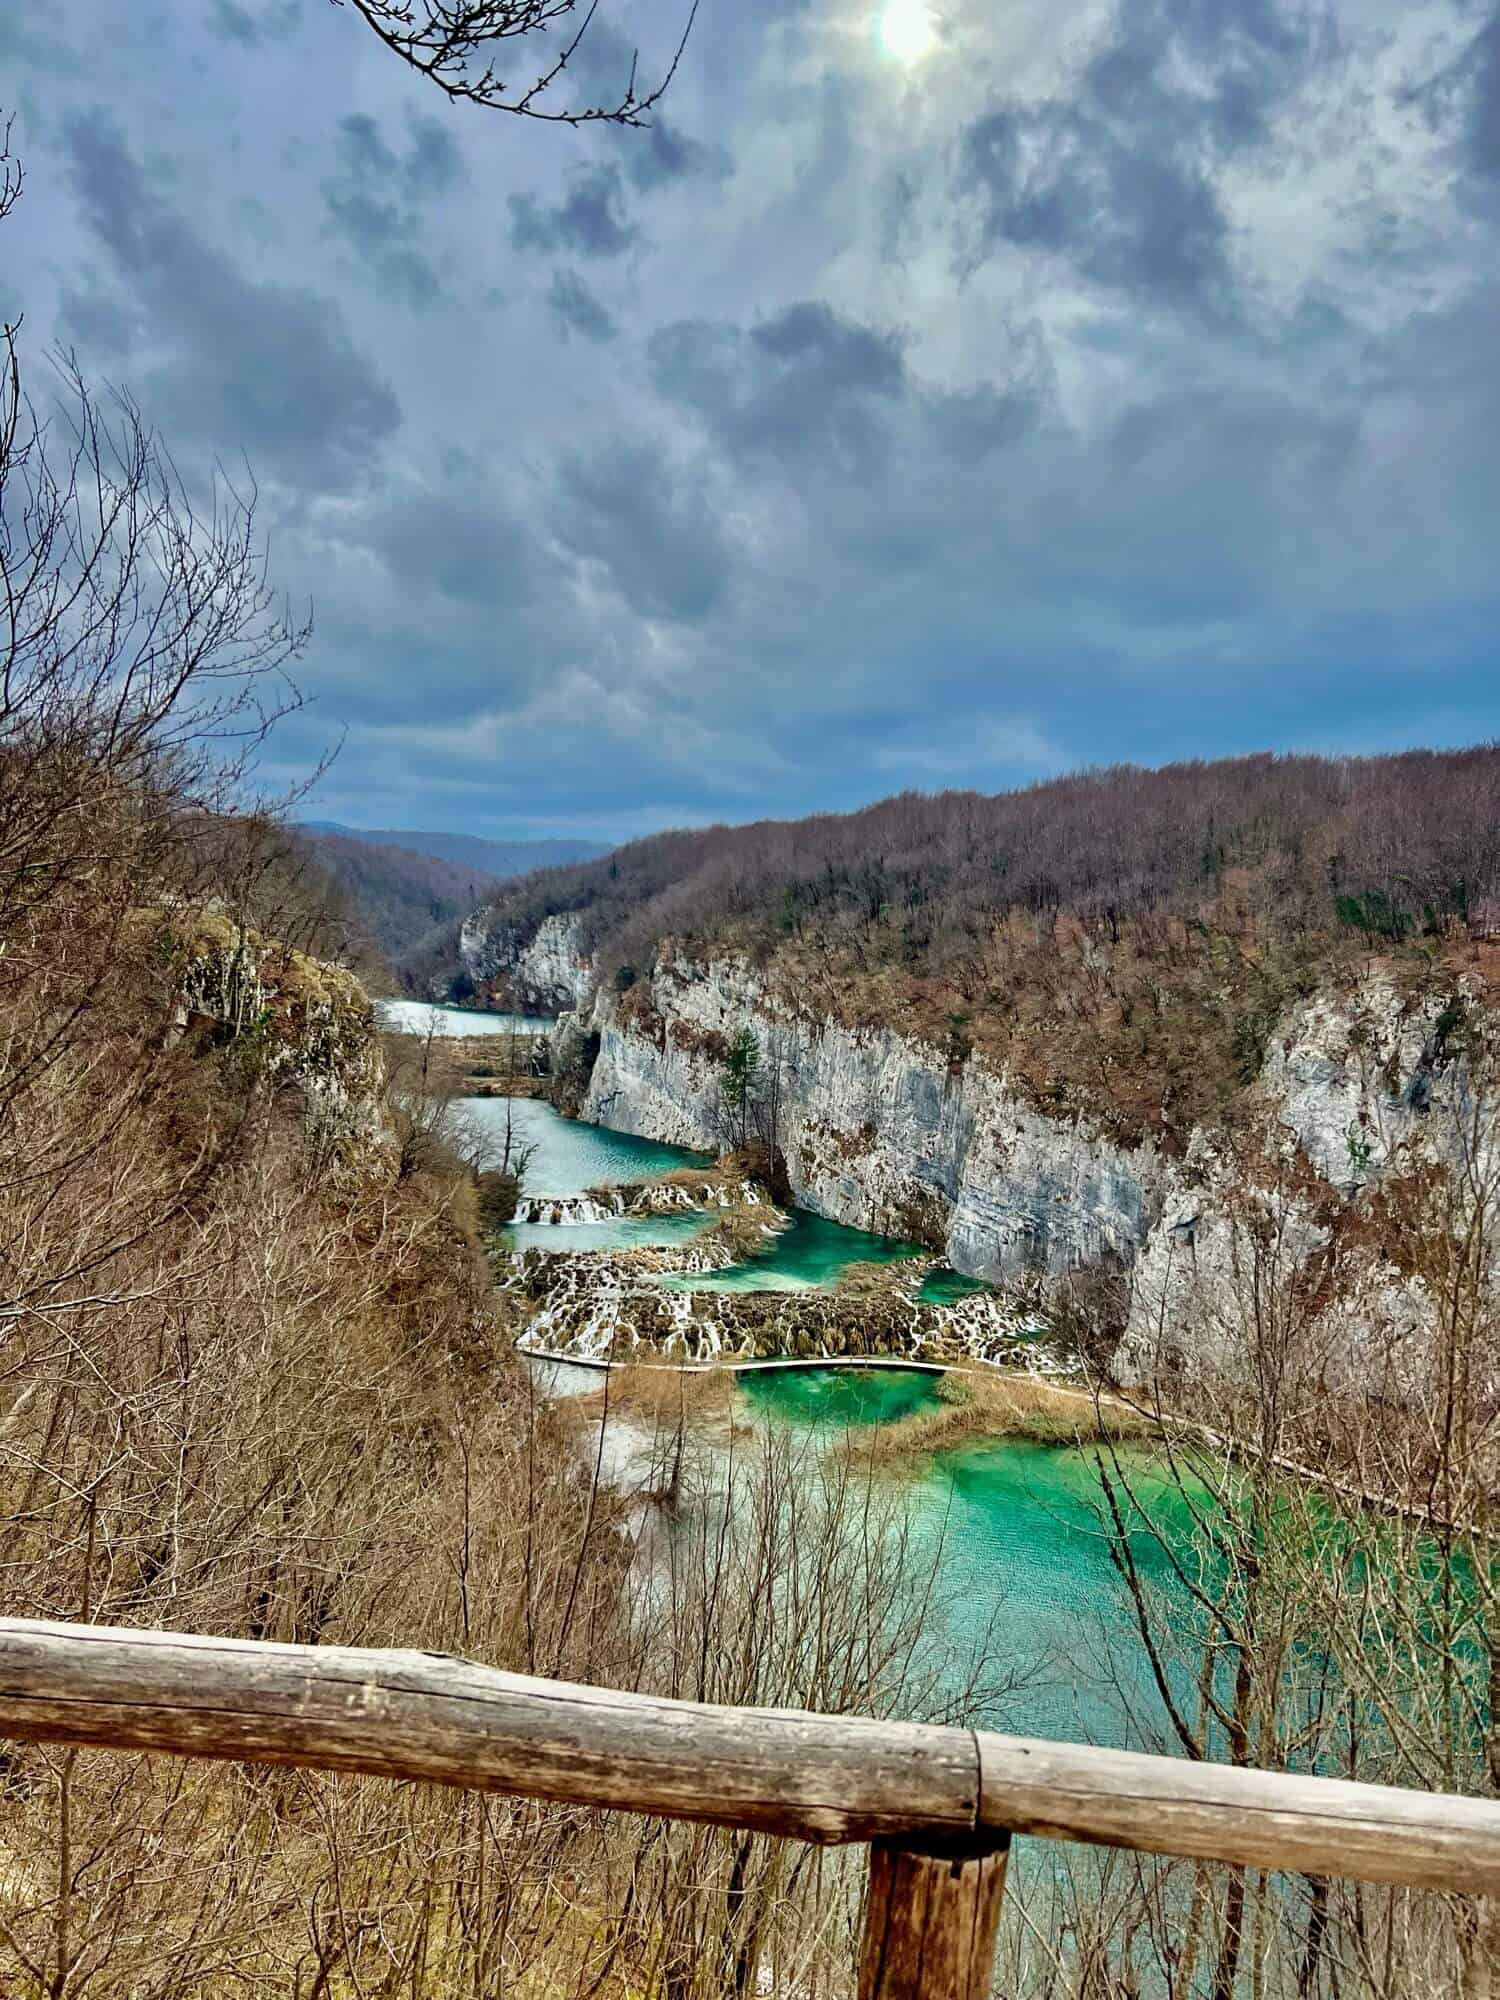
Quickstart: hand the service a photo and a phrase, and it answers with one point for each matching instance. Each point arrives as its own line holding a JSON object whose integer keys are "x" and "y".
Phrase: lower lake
{"x": 420, "y": 1017}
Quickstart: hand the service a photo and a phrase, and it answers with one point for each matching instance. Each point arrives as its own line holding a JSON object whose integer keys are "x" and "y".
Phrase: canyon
{"x": 1359, "y": 1089}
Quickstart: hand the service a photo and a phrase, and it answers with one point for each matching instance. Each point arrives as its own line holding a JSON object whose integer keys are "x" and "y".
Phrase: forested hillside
{"x": 499, "y": 859}
{"x": 1122, "y": 940}
{"x": 396, "y": 896}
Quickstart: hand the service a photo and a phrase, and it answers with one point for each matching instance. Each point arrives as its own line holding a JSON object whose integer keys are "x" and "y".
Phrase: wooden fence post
{"x": 931, "y": 1912}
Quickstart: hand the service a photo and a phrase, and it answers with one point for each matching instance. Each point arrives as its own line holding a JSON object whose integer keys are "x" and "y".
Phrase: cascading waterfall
{"x": 650, "y": 1198}
{"x": 597, "y": 1305}
{"x": 561, "y": 1211}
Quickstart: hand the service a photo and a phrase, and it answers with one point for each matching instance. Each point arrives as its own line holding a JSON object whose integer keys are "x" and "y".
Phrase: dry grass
{"x": 739, "y": 1232}
{"x": 662, "y": 1396}
{"x": 881, "y": 1281}
{"x": 980, "y": 1406}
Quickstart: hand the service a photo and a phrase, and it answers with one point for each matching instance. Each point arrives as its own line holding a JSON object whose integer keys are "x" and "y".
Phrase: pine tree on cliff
{"x": 741, "y": 1076}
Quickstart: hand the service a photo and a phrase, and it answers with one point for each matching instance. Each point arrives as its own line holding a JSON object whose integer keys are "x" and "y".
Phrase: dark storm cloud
{"x": 661, "y": 154}
{"x": 377, "y": 200}
{"x": 590, "y": 220}
{"x": 651, "y": 522}
{"x": 725, "y": 497}
{"x": 1128, "y": 215}
{"x": 1213, "y": 71}
{"x": 969, "y": 424}
{"x": 1119, "y": 176}
{"x": 804, "y": 380}
{"x": 94, "y": 320}
{"x": 424, "y": 164}
{"x": 233, "y": 359}
{"x": 461, "y": 538}
{"x": 579, "y": 307}
{"x": 262, "y": 21}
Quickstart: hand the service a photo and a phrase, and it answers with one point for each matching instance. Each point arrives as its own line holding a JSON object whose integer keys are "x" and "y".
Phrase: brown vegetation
{"x": 661, "y": 1395}
{"x": 1120, "y": 943}
{"x": 254, "y": 1380}
{"x": 398, "y": 897}
{"x": 979, "y": 1405}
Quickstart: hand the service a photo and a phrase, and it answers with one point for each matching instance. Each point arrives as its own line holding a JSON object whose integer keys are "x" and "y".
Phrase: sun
{"x": 907, "y": 30}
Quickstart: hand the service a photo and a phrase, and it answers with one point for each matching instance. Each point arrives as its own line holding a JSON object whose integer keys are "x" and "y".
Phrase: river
{"x": 1010, "y": 1533}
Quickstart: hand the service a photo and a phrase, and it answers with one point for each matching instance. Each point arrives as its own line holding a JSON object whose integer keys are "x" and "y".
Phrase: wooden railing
{"x": 939, "y": 1805}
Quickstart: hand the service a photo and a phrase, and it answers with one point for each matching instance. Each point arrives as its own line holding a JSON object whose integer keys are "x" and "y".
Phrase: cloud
{"x": 378, "y": 198}
{"x": 456, "y": 533}
{"x": 661, "y": 153}
{"x": 1484, "y": 133}
{"x": 579, "y": 308}
{"x": 1120, "y": 174}
{"x": 237, "y": 362}
{"x": 268, "y": 20}
{"x": 590, "y": 220}
{"x": 1134, "y": 219}
{"x": 802, "y": 380}
{"x": 1117, "y": 382}
{"x": 650, "y": 523}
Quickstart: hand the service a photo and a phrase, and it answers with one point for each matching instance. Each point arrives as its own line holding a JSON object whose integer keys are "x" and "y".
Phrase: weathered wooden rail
{"x": 939, "y": 1805}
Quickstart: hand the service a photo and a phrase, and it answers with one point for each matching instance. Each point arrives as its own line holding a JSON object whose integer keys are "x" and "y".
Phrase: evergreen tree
{"x": 741, "y": 1077}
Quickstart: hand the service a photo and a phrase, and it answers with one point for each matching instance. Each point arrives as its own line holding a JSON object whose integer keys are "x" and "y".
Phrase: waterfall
{"x": 556, "y": 1211}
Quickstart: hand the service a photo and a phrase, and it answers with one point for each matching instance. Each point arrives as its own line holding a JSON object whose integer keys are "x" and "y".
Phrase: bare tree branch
{"x": 456, "y": 44}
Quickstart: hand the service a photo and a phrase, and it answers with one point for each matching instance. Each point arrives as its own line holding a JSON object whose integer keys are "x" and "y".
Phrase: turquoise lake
{"x": 1014, "y": 1531}
{"x": 418, "y": 1017}
{"x": 571, "y": 1157}
{"x": 1011, "y": 1528}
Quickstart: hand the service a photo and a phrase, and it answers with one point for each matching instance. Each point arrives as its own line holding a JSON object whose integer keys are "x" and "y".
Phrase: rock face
{"x": 883, "y": 1131}
{"x": 547, "y": 973}
{"x": 301, "y": 1021}
{"x": 878, "y": 1130}
{"x": 1358, "y": 1093}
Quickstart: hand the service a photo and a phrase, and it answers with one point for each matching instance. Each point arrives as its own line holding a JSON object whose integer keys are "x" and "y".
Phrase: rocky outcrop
{"x": 877, "y": 1129}
{"x": 1278, "y": 1234}
{"x": 546, "y": 972}
{"x": 292, "y": 1020}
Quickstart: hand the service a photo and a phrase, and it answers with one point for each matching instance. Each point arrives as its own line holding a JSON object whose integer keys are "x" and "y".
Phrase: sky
{"x": 934, "y": 396}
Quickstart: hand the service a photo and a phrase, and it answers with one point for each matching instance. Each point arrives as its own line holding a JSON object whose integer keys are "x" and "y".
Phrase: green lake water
{"x": 945, "y": 1287}
{"x": 622, "y": 1232}
{"x": 571, "y": 1157}
{"x": 1013, "y": 1529}
{"x": 809, "y": 1253}
{"x": 417, "y": 1017}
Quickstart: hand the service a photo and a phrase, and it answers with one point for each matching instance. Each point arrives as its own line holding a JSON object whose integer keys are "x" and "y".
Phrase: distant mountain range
{"x": 498, "y": 858}
{"x": 401, "y": 886}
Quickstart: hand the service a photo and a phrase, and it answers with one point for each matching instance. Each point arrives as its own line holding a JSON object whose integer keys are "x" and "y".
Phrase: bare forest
{"x": 1122, "y": 942}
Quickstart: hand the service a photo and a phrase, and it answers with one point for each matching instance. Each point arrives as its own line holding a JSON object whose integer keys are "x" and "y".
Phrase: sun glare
{"x": 907, "y": 30}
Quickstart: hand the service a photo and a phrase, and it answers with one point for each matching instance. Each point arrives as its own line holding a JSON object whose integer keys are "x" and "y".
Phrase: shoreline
{"x": 1158, "y": 1425}
{"x": 993, "y": 1405}
{"x": 726, "y": 1366}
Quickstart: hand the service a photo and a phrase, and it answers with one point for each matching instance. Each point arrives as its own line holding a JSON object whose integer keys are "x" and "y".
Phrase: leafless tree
{"x": 459, "y": 45}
